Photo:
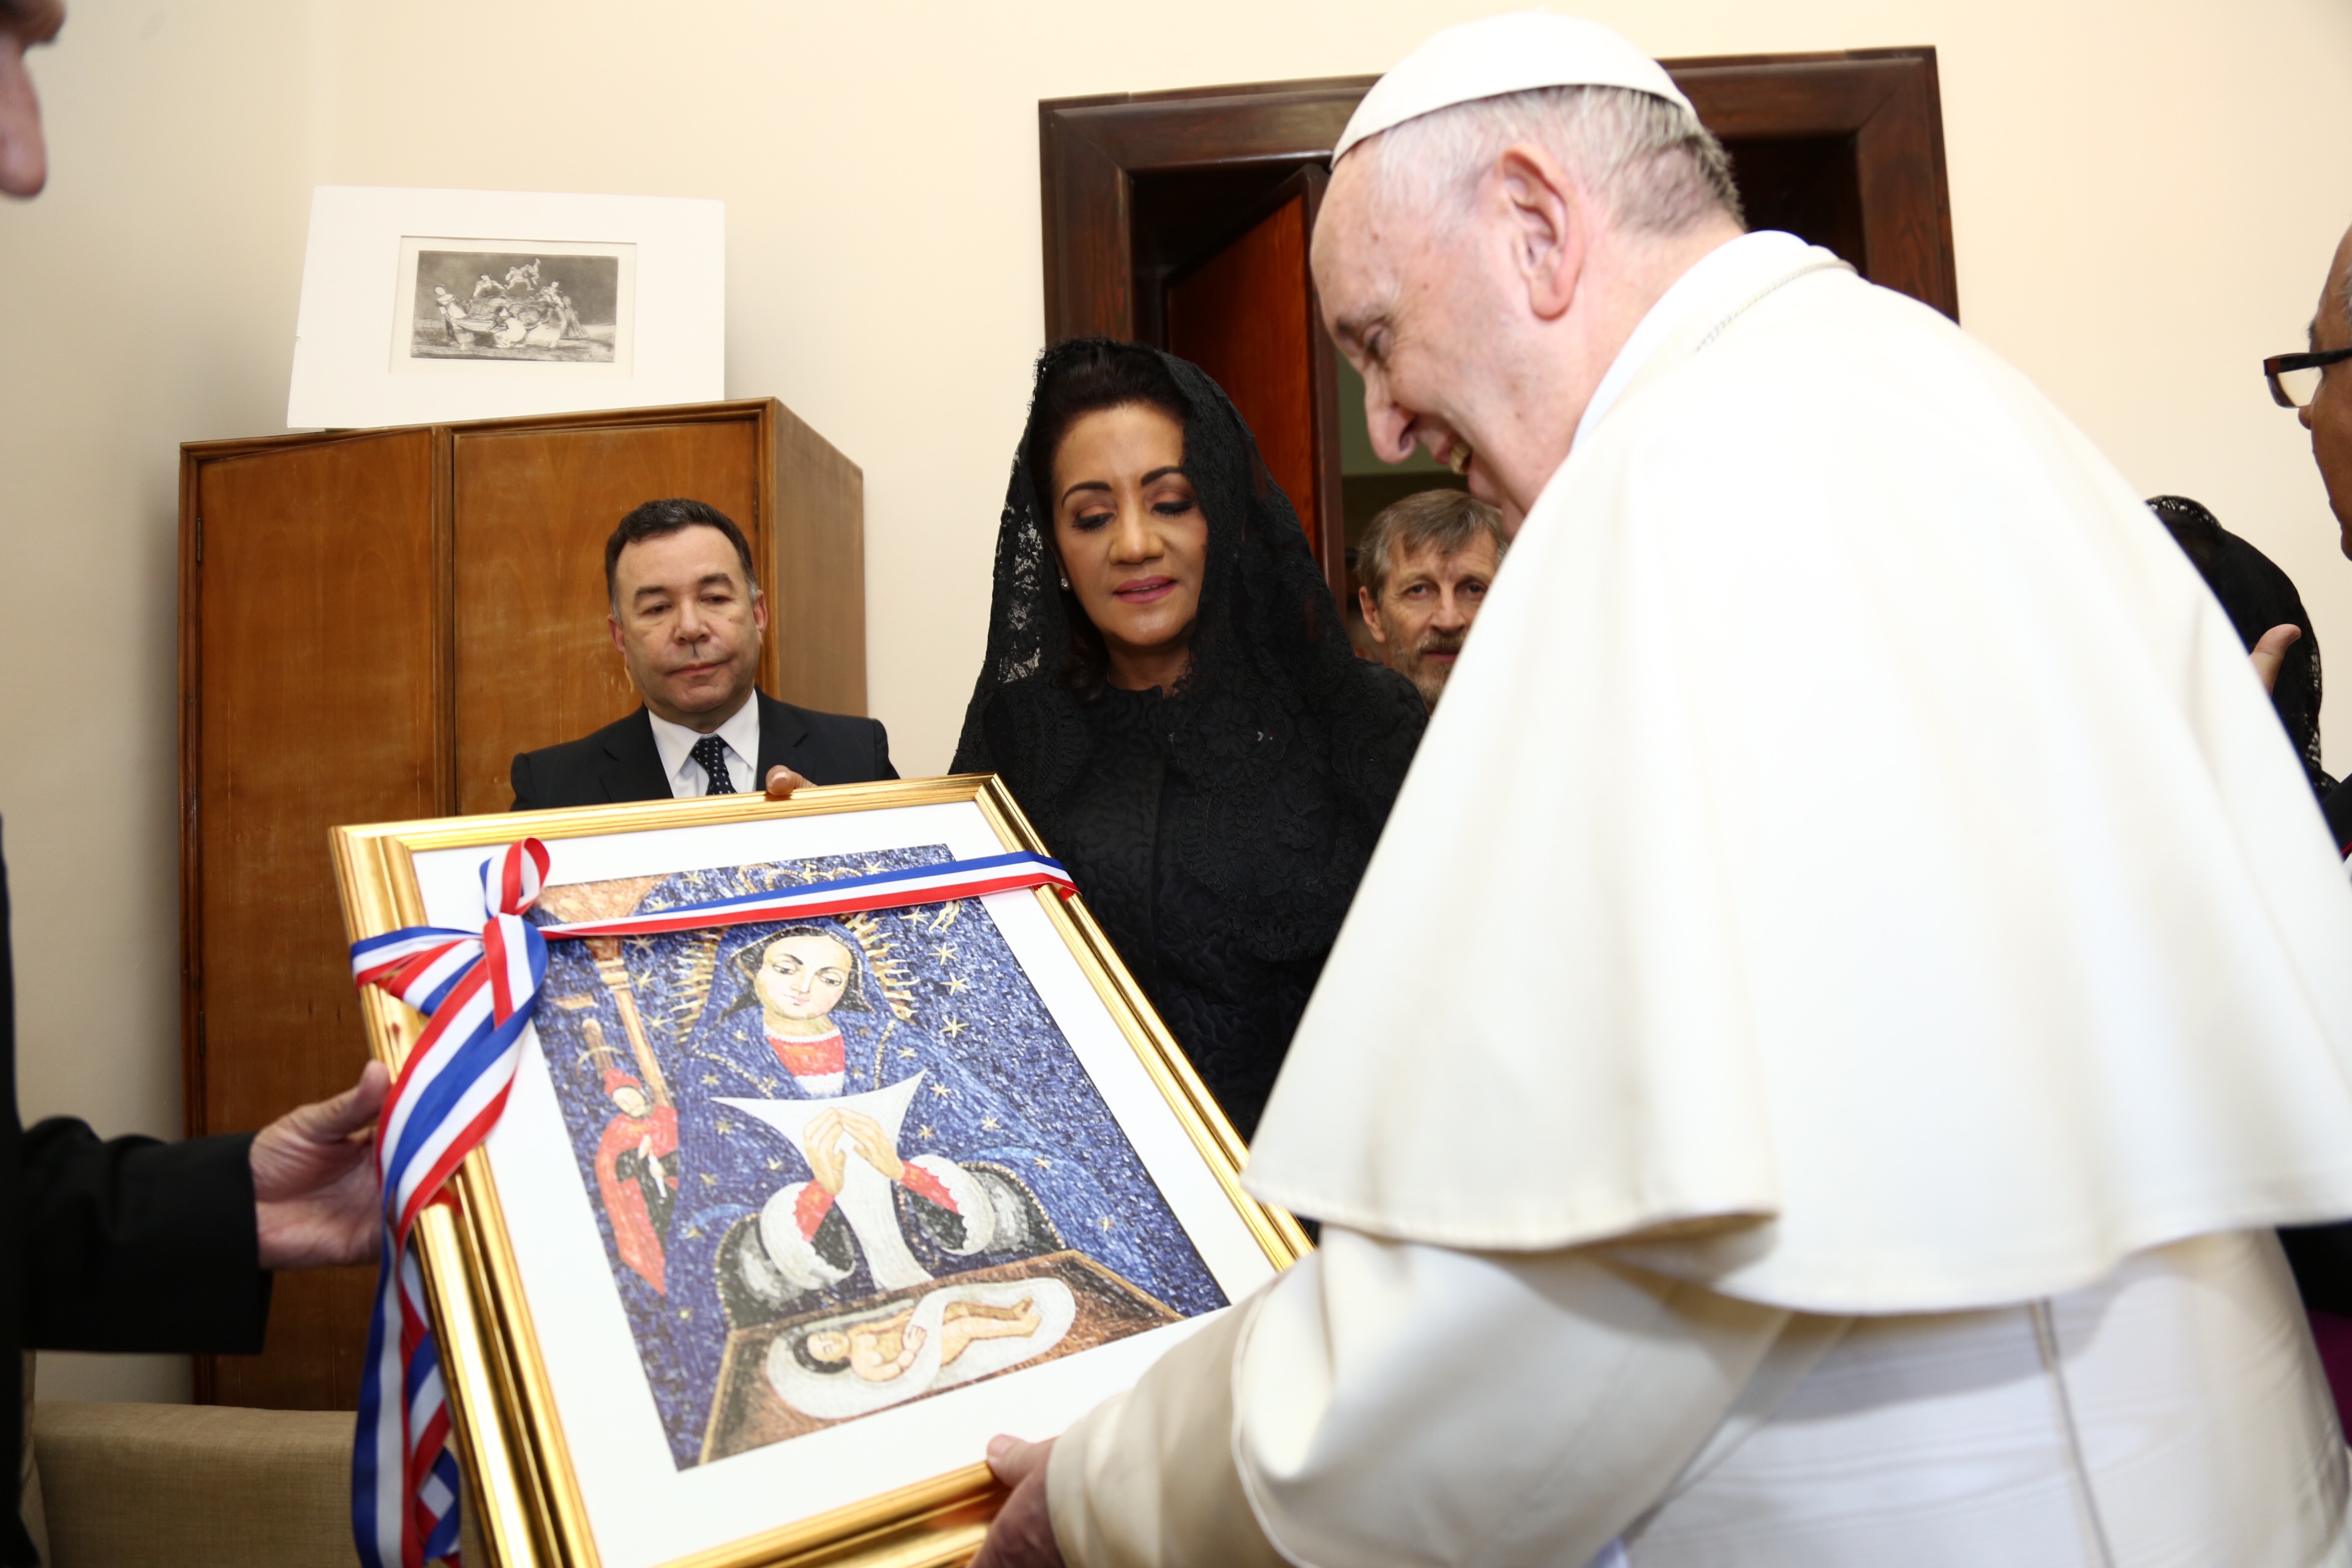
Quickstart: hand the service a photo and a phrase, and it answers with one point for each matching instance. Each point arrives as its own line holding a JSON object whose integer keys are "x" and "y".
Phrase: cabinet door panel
{"x": 313, "y": 705}
{"x": 535, "y": 665}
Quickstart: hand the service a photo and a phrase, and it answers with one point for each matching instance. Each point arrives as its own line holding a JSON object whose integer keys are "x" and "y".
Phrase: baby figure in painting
{"x": 840, "y": 1368}
{"x": 882, "y": 1349}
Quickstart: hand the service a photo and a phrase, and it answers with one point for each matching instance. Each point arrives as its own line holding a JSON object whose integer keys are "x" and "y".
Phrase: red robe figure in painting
{"x": 637, "y": 1171}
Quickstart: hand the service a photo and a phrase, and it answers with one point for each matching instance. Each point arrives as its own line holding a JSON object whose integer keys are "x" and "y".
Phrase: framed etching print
{"x": 786, "y": 1216}
{"x": 571, "y": 303}
{"x": 436, "y": 306}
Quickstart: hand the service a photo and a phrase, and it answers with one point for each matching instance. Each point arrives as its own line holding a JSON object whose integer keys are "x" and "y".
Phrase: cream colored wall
{"x": 2144, "y": 198}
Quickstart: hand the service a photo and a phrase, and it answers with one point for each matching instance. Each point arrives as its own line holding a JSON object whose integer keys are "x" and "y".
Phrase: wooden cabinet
{"x": 371, "y": 624}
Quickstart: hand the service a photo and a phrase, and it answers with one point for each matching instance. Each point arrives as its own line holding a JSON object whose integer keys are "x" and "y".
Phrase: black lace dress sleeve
{"x": 1223, "y": 899}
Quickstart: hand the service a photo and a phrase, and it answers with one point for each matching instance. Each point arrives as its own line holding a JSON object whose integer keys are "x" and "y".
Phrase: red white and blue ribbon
{"x": 478, "y": 989}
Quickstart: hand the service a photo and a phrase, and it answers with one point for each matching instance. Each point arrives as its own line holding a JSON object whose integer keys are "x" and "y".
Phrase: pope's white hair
{"x": 1649, "y": 159}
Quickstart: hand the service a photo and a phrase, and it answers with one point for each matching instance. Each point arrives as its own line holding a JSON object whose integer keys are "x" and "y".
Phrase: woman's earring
{"x": 1065, "y": 582}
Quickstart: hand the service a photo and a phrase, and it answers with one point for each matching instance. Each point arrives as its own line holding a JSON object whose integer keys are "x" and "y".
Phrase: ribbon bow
{"x": 478, "y": 991}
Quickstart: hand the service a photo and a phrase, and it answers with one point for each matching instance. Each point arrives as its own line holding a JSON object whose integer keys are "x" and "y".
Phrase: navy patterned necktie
{"x": 711, "y": 752}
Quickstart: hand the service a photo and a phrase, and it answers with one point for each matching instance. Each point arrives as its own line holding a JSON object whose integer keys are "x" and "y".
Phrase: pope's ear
{"x": 1547, "y": 217}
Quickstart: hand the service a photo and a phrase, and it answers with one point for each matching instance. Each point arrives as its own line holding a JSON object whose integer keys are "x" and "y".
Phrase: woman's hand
{"x": 821, "y": 1141}
{"x": 1023, "y": 1535}
{"x": 2271, "y": 652}
{"x": 874, "y": 1143}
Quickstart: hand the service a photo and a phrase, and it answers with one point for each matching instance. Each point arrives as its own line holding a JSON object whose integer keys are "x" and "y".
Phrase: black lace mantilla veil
{"x": 1295, "y": 744}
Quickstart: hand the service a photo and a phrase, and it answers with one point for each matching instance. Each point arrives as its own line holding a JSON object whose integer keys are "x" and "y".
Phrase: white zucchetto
{"x": 1498, "y": 55}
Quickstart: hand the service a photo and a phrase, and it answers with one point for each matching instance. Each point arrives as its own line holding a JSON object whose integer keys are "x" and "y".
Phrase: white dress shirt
{"x": 675, "y": 743}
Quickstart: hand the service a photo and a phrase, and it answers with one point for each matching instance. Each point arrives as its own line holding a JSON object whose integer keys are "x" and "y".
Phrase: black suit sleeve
{"x": 526, "y": 792}
{"x": 882, "y": 768}
{"x": 2321, "y": 1257}
{"x": 2336, "y": 806}
{"x": 136, "y": 1246}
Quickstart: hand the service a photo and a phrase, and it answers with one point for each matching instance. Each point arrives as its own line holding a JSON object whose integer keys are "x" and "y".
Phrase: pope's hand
{"x": 316, "y": 1200}
{"x": 781, "y": 782}
{"x": 1023, "y": 1535}
{"x": 874, "y": 1143}
{"x": 2271, "y": 652}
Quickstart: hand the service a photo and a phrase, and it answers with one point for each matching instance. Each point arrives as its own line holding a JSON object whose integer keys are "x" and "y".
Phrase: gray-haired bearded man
{"x": 1902, "y": 974}
{"x": 1424, "y": 565}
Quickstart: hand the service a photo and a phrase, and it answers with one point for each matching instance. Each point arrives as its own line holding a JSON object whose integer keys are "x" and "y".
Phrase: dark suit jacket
{"x": 2320, "y": 1255}
{"x": 127, "y": 1244}
{"x": 620, "y": 761}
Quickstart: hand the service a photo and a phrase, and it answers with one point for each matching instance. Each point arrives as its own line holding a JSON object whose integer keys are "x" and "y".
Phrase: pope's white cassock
{"x": 1853, "y": 978}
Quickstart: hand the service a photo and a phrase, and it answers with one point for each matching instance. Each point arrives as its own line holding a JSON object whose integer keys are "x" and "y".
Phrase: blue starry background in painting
{"x": 1002, "y": 1087}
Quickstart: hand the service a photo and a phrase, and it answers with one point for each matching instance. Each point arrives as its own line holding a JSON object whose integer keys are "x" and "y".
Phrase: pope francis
{"x": 1897, "y": 975}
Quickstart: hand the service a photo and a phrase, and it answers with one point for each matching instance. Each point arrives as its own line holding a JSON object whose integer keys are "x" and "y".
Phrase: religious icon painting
{"x": 838, "y": 1141}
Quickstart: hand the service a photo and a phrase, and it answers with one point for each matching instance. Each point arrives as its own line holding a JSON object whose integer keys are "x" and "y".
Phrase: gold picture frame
{"x": 513, "y": 1445}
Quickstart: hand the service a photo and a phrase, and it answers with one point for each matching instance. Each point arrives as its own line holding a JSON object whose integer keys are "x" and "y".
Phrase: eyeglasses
{"x": 2294, "y": 378}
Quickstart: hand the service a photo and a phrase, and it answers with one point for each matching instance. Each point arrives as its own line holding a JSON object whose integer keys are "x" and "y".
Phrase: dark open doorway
{"x": 1178, "y": 219}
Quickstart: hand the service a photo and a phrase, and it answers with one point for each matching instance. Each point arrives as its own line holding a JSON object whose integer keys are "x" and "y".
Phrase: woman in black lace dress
{"x": 1169, "y": 693}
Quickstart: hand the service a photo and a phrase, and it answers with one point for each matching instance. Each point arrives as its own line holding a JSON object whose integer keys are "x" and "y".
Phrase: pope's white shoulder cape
{"x": 1853, "y": 865}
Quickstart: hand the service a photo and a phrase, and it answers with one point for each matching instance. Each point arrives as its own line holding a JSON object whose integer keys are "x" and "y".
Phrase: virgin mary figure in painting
{"x": 910, "y": 1164}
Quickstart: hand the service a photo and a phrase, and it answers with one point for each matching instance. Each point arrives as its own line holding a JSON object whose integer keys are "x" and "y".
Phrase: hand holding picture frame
{"x": 785, "y": 1219}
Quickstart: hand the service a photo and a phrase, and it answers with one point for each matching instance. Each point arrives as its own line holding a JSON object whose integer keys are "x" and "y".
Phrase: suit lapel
{"x": 633, "y": 767}
{"x": 781, "y": 735}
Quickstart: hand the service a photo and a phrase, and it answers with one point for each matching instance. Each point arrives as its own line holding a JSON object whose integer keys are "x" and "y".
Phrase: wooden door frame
{"x": 1092, "y": 150}
{"x": 1325, "y": 522}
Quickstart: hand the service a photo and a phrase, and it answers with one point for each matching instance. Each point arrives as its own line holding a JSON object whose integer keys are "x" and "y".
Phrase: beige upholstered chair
{"x": 195, "y": 1486}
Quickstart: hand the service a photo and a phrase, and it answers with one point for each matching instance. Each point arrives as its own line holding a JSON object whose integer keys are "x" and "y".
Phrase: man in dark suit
{"x": 686, "y": 618}
{"x": 130, "y": 1244}
{"x": 24, "y": 157}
